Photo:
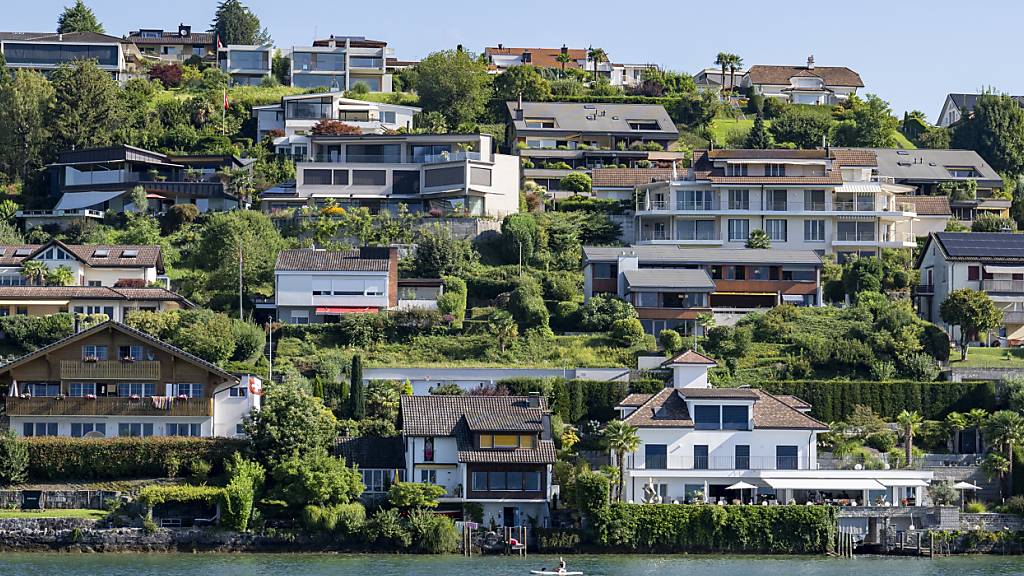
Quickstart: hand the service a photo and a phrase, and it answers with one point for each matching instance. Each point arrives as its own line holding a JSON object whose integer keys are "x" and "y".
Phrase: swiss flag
{"x": 219, "y": 45}
{"x": 225, "y": 99}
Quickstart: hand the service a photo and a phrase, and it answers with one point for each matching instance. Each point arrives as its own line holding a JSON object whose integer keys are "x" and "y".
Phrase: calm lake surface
{"x": 362, "y": 565}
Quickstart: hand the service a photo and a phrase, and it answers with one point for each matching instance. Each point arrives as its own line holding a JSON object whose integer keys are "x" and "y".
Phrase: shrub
{"x": 13, "y": 458}
{"x": 340, "y": 519}
{"x": 561, "y": 286}
{"x": 177, "y": 216}
{"x": 385, "y": 529}
{"x": 576, "y": 182}
{"x": 976, "y": 507}
{"x": 920, "y": 367}
{"x": 526, "y": 304}
{"x": 168, "y": 74}
{"x": 317, "y": 479}
{"x": 593, "y": 491}
{"x": 433, "y": 534}
{"x": 600, "y": 312}
{"x": 670, "y": 340}
{"x": 152, "y": 496}
{"x": 628, "y": 332}
{"x": 520, "y": 237}
{"x": 453, "y": 301}
{"x": 410, "y": 495}
{"x": 943, "y": 493}
{"x": 63, "y": 458}
{"x": 249, "y": 340}
{"x": 1014, "y": 505}
{"x": 247, "y": 479}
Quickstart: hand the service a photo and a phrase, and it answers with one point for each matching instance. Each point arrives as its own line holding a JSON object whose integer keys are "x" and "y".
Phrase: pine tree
{"x": 78, "y": 18}
{"x": 357, "y": 398}
{"x": 234, "y": 23}
{"x": 759, "y": 138}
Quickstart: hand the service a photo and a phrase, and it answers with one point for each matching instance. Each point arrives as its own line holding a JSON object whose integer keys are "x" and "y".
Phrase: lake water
{"x": 381, "y": 565}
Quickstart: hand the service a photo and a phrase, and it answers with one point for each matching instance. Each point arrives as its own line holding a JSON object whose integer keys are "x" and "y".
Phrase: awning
{"x": 824, "y": 484}
{"x": 76, "y": 200}
{"x": 345, "y": 310}
{"x": 859, "y": 187}
{"x": 915, "y": 482}
{"x": 1004, "y": 269}
{"x": 435, "y": 466}
{"x": 966, "y": 486}
{"x": 792, "y": 298}
{"x": 745, "y": 293}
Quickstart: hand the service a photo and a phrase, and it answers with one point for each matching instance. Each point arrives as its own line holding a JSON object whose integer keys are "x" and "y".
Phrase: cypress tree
{"x": 758, "y": 137}
{"x": 357, "y": 399}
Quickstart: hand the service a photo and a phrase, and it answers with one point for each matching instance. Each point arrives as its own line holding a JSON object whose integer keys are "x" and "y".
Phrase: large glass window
{"x": 647, "y": 299}
{"x": 141, "y": 389}
{"x": 405, "y": 182}
{"x": 80, "y": 429}
{"x": 814, "y": 230}
{"x": 190, "y": 390}
{"x": 80, "y": 389}
{"x": 179, "y": 429}
{"x": 373, "y": 84}
{"x": 354, "y": 115}
{"x": 479, "y": 481}
{"x": 605, "y": 271}
{"x": 369, "y": 177}
{"x": 736, "y": 169}
{"x": 695, "y": 230}
{"x": 706, "y": 417}
{"x": 814, "y": 200}
{"x": 43, "y": 389}
{"x": 695, "y": 200}
{"x": 316, "y": 177}
{"x": 742, "y": 457}
{"x": 531, "y": 481}
{"x": 445, "y": 176}
{"x": 776, "y": 229}
{"x": 375, "y": 153}
{"x": 308, "y": 109}
{"x": 775, "y": 200}
{"x": 655, "y": 456}
{"x": 249, "y": 60}
{"x": 58, "y": 53}
{"x": 850, "y": 231}
{"x": 365, "y": 62}
{"x": 93, "y": 352}
{"x": 700, "y": 457}
{"x": 786, "y": 457}
{"x": 739, "y": 199}
{"x": 739, "y": 230}
{"x": 421, "y": 154}
{"x": 135, "y": 429}
{"x": 775, "y": 170}
{"x": 735, "y": 418}
{"x": 39, "y": 429}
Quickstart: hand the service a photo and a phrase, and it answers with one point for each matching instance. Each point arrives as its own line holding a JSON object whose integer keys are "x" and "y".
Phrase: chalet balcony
{"x": 110, "y": 370}
{"x": 924, "y": 289}
{"x": 1005, "y": 286}
{"x": 81, "y": 406}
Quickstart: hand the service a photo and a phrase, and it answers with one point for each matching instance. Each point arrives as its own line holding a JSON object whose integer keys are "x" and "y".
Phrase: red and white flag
{"x": 225, "y": 99}
{"x": 219, "y": 45}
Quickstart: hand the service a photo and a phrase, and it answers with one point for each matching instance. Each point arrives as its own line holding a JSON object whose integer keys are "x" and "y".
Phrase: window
{"x": 739, "y": 230}
{"x": 775, "y": 170}
{"x": 376, "y": 480}
{"x": 786, "y": 457}
{"x": 80, "y": 389}
{"x": 369, "y": 177}
{"x": 374, "y": 153}
{"x": 514, "y": 481}
{"x": 428, "y": 449}
{"x": 94, "y": 283}
{"x": 300, "y": 316}
{"x": 21, "y": 310}
{"x": 962, "y": 171}
{"x": 444, "y": 176}
{"x": 135, "y": 429}
{"x": 341, "y": 177}
{"x": 141, "y": 389}
{"x": 238, "y": 392}
{"x": 540, "y": 122}
{"x": 814, "y": 230}
{"x": 240, "y": 429}
{"x": 387, "y": 117}
{"x": 643, "y": 125}
{"x": 39, "y": 429}
{"x": 814, "y": 200}
{"x": 479, "y": 481}
{"x": 700, "y": 457}
{"x": 695, "y": 230}
{"x": 428, "y": 476}
{"x": 80, "y": 429}
{"x": 736, "y": 170}
{"x": 174, "y": 429}
{"x": 973, "y": 273}
{"x": 44, "y": 389}
{"x": 311, "y": 177}
{"x": 860, "y": 231}
{"x": 354, "y": 116}
{"x": 735, "y": 418}
{"x": 735, "y": 273}
{"x": 775, "y": 200}
{"x": 742, "y": 457}
{"x": 739, "y": 199}
{"x": 646, "y": 300}
{"x": 506, "y": 441}
{"x": 695, "y": 200}
{"x": 479, "y": 176}
{"x": 405, "y": 182}
{"x": 421, "y": 154}
{"x": 605, "y": 271}
{"x": 655, "y": 456}
{"x": 531, "y": 481}
{"x": 190, "y": 390}
{"x": 526, "y": 441}
{"x": 776, "y": 229}
{"x": 130, "y": 254}
{"x": 496, "y": 480}
{"x": 134, "y": 352}
{"x": 706, "y": 417}
{"x": 321, "y": 286}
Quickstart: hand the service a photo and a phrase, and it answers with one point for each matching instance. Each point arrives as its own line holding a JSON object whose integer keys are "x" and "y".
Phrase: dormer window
{"x": 721, "y": 417}
{"x": 22, "y": 251}
{"x": 962, "y": 171}
{"x": 506, "y": 441}
{"x": 540, "y": 122}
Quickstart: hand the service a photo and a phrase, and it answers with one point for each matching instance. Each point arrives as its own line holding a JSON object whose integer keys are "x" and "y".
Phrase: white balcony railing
{"x": 639, "y": 462}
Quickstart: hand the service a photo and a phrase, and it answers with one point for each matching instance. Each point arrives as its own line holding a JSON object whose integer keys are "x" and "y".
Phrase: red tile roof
{"x": 629, "y": 177}
{"x": 541, "y": 57}
{"x": 689, "y": 357}
{"x": 929, "y": 205}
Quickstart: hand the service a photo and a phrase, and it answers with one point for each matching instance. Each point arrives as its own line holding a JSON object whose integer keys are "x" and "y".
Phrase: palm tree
{"x": 34, "y": 272}
{"x": 503, "y": 327}
{"x": 910, "y": 423}
{"x": 621, "y": 438}
{"x": 735, "y": 62}
{"x": 976, "y": 418}
{"x": 706, "y": 321}
{"x": 563, "y": 59}
{"x": 597, "y": 56}
{"x": 956, "y": 423}
{"x": 995, "y": 466}
{"x": 60, "y": 276}
{"x": 722, "y": 60}
{"x": 1005, "y": 429}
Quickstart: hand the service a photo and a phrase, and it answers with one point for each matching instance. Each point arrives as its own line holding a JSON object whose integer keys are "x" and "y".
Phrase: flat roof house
{"x": 824, "y": 200}
{"x": 341, "y": 62}
{"x": 111, "y": 380}
{"x": 46, "y": 51}
{"x": 440, "y": 174}
{"x": 495, "y": 451}
{"x": 553, "y": 139}
{"x": 177, "y": 46}
{"x": 988, "y": 261}
{"x": 810, "y": 84}
{"x": 698, "y": 443}
{"x": 500, "y": 58}
{"x": 247, "y": 65}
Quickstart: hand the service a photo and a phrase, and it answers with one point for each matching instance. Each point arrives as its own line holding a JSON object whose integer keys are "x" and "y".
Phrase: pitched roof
{"x": 667, "y": 254}
{"x": 967, "y": 101}
{"x": 929, "y": 205}
{"x": 689, "y": 357}
{"x": 372, "y": 452}
{"x": 540, "y": 57}
{"x": 172, "y": 37}
{"x": 930, "y": 165}
{"x": 145, "y": 255}
{"x": 628, "y": 177}
{"x": 793, "y": 401}
{"x": 125, "y": 329}
{"x": 719, "y": 393}
{"x": 91, "y": 293}
{"x": 705, "y": 169}
{"x": 667, "y": 409}
{"x": 990, "y": 247}
{"x": 315, "y": 260}
{"x": 635, "y": 400}
{"x": 855, "y": 156}
{"x": 599, "y": 118}
{"x": 70, "y": 37}
{"x": 780, "y": 75}
{"x": 669, "y": 278}
{"x": 461, "y": 416}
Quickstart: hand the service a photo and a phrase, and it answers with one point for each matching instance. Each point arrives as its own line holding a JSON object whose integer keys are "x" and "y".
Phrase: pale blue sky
{"x": 910, "y": 52}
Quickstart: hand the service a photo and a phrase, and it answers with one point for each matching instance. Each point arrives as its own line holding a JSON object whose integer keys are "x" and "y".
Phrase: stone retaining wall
{"x": 60, "y": 499}
{"x": 991, "y": 522}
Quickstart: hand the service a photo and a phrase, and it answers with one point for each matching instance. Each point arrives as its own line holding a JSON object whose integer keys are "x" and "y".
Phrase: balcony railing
{"x": 925, "y": 289}
{"x": 1002, "y": 285}
{"x": 697, "y": 205}
{"x": 74, "y": 406}
{"x": 109, "y": 370}
{"x": 858, "y": 206}
{"x": 1013, "y": 317}
{"x": 84, "y": 212}
{"x": 714, "y": 463}
{"x": 842, "y": 236}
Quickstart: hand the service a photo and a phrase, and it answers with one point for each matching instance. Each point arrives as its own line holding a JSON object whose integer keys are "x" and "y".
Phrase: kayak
{"x": 555, "y": 573}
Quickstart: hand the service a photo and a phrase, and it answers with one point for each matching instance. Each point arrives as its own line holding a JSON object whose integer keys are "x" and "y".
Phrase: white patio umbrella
{"x": 963, "y": 485}
{"x": 741, "y": 485}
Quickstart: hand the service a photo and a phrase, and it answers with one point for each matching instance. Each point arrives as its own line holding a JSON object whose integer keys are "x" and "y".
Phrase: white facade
{"x": 340, "y": 64}
{"x": 84, "y": 273}
{"x": 296, "y": 116}
{"x": 298, "y": 294}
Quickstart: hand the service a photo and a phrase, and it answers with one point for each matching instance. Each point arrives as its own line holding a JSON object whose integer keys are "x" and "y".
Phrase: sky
{"x": 910, "y": 52}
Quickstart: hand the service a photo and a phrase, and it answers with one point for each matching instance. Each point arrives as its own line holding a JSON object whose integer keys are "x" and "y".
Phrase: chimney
{"x": 810, "y": 62}
{"x": 184, "y": 30}
{"x": 501, "y": 46}
{"x": 519, "y": 107}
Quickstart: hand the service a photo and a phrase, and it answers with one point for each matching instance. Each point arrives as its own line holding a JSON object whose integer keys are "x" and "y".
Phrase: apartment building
{"x": 553, "y": 139}
{"x": 495, "y": 451}
{"x": 827, "y": 201}
{"x": 686, "y": 282}
{"x": 114, "y": 381}
{"x": 808, "y": 84}
{"x": 341, "y": 62}
{"x": 247, "y": 65}
{"x": 295, "y": 116}
{"x": 45, "y": 51}
{"x": 500, "y": 58}
{"x": 726, "y": 445}
{"x": 987, "y": 261}
{"x": 439, "y": 174}
{"x": 175, "y": 46}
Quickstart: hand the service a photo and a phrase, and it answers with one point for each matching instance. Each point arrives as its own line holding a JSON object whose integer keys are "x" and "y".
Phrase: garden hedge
{"x": 579, "y": 400}
{"x": 684, "y": 528}
{"x": 834, "y": 400}
{"x": 62, "y": 458}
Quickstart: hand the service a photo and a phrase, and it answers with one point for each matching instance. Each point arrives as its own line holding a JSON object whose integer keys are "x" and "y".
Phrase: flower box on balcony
{"x": 135, "y": 397}
{"x": 128, "y": 359}
{"x": 90, "y": 396}
{"x": 91, "y": 359}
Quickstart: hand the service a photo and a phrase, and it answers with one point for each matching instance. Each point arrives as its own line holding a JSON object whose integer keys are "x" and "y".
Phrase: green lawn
{"x": 722, "y": 127}
{"x": 988, "y": 358}
{"x": 902, "y": 142}
{"x": 87, "y": 514}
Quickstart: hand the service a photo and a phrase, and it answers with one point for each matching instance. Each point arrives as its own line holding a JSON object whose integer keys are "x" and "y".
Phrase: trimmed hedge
{"x": 834, "y": 400}
{"x": 362, "y": 330}
{"x": 683, "y": 528}
{"x": 578, "y": 400}
{"x": 62, "y": 458}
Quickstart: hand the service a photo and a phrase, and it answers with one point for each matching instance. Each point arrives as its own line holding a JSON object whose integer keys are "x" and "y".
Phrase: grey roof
{"x": 669, "y": 278}
{"x": 924, "y": 165}
{"x": 716, "y": 393}
{"x": 679, "y": 255}
{"x": 667, "y": 409}
{"x": 967, "y": 101}
{"x": 90, "y": 37}
{"x": 974, "y": 246}
{"x": 314, "y": 260}
{"x": 593, "y": 118}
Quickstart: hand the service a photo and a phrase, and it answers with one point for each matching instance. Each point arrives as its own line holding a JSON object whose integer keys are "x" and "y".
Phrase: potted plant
{"x": 91, "y": 359}
{"x": 90, "y": 396}
{"x": 128, "y": 359}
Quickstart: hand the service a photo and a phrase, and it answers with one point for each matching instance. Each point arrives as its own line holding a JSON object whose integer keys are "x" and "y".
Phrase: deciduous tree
{"x": 454, "y": 83}
{"x": 971, "y": 310}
